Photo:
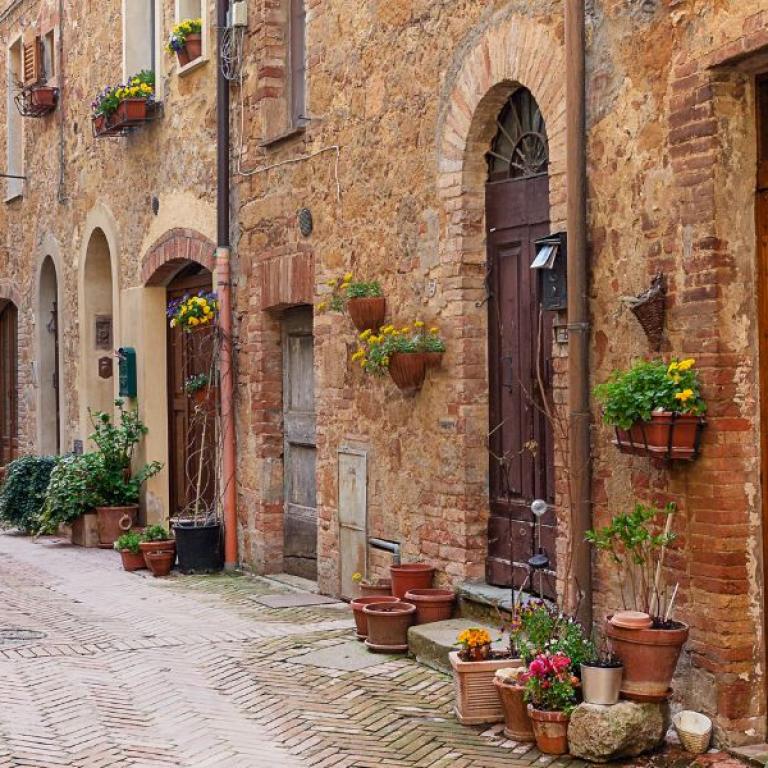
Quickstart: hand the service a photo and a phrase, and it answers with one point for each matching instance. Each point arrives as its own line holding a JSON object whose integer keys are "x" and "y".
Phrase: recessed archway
{"x": 49, "y": 370}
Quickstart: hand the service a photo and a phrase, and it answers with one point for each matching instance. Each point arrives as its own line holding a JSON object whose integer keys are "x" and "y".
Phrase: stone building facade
{"x": 377, "y": 117}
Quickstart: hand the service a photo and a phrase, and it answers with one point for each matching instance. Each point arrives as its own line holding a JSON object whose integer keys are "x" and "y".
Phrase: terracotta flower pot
{"x": 551, "y": 730}
{"x": 149, "y": 547}
{"x": 160, "y": 563}
{"x": 113, "y": 522}
{"x": 431, "y": 604}
{"x": 361, "y": 620}
{"x": 410, "y": 576}
{"x": 44, "y": 97}
{"x": 477, "y": 700}
{"x": 388, "y": 626}
{"x": 367, "y": 314}
{"x": 517, "y": 723}
{"x": 205, "y": 399}
{"x": 649, "y": 657}
{"x": 675, "y": 433}
{"x": 193, "y": 49}
{"x": 131, "y": 561}
{"x": 131, "y": 112}
{"x": 381, "y": 587}
{"x": 99, "y": 124}
{"x": 408, "y": 370}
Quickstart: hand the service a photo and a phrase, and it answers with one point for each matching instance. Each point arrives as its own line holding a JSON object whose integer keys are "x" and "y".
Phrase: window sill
{"x": 13, "y": 197}
{"x": 291, "y": 133}
{"x": 192, "y": 66}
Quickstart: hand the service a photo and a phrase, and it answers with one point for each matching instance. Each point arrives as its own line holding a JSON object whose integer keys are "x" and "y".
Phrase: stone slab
{"x": 294, "y": 600}
{"x": 348, "y": 657}
{"x": 431, "y": 643}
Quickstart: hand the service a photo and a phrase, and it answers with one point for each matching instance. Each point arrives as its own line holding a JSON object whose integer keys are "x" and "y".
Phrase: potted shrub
{"x": 601, "y": 676}
{"x": 656, "y": 408}
{"x": 186, "y": 41}
{"x": 23, "y": 491}
{"x": 396, "y": 351}
{"x": 551, "y": 695}
{"x": 154, "y": 541}
{"x": 636, "y": 543}
{"x": 363, "y": 300}
{"x": 474, "y": 668}
{"x": 113, "y": 483}
{"x": 388, "y": 624}
{"x": 130, "y": 552}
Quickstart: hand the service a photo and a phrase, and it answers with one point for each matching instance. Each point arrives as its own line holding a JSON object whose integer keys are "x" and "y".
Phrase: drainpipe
{"x": 579, "y": 591}
{"x": 224, "y": 291}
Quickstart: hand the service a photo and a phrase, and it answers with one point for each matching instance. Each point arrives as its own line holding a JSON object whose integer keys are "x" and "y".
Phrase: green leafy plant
{"x": 345, "y": 288}
{"x": 631, "y": 396}
{"x": 129, "y": 542}
{"x": 23, "y": 492}
{"x": 549, "y": 684}
{"x": 636, "y": 544}
{"x": 156, "y": 533}
{"x": 196, "y": 383}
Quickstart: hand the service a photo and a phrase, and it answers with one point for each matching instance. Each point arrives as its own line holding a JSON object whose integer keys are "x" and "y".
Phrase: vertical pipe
{"x": 224, "y": 291}
{"x": 578, "y": 311}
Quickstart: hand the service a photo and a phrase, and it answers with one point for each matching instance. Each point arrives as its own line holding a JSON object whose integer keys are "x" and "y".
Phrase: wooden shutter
{"x": 9, "y": 384}
{"x": 31, "y": 59}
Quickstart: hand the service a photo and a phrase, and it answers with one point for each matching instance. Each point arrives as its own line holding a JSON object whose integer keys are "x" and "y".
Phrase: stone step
{"x": 430, "y": 644}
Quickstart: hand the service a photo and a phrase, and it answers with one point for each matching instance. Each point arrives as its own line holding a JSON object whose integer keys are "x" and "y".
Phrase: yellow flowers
{"x": 685, "y": 395}
{"x": 193, "y": 311}
{"x": 418, "y": 324}
{"x": 474, "y": 637}
{"x": 322, "y": 306}
{"x": 347, "y": 278}
{"x": 686, "y": 365}
{"x": 365, "y": 335}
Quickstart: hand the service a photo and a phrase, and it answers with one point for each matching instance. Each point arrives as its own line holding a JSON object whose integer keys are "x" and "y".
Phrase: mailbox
{"x": 551, "y": 263}
{"x": 127, "y": 371}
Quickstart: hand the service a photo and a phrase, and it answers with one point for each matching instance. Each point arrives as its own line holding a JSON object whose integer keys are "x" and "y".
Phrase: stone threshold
{"x": 754, "y": 754}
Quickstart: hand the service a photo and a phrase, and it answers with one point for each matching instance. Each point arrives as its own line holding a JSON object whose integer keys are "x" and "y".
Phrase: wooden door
{"x": 9, "y": 383}
{"x": 519, "y": 351}
{"x": 300, "y": 525}
{"x": 191, "y": 432}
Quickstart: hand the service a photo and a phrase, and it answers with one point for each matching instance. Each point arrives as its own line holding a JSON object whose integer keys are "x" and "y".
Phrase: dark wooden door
{"x": 300, "y": 529}
{"x": 9, "y": 383}
{"x": 191, "y": 431}
{"x": 520, "y": 343}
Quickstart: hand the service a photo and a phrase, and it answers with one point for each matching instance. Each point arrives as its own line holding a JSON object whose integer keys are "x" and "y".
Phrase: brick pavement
{"x": 124, "y": 670}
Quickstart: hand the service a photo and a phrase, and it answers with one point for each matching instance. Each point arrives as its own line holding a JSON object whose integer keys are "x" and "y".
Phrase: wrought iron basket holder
{"x": 682, "y": 443}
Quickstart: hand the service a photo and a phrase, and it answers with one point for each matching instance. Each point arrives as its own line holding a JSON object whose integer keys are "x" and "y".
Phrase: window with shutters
{"x": 142, "y": 37}
{"x": 14, "y": 124}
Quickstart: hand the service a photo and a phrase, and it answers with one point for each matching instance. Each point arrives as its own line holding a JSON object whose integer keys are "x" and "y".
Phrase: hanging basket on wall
{"x": 650, "y": 308}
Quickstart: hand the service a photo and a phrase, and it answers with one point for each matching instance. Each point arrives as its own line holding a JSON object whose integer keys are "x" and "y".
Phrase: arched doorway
{"x": 191, "y": 430}
{"x": 49, "y": 414}
{"x": 9, "y": 381}
{"x": 519, "y": 347}
{"x": 97, "y": 334}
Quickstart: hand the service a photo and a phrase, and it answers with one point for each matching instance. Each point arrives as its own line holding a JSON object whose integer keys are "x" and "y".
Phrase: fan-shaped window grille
{"x": 520, "y": 149}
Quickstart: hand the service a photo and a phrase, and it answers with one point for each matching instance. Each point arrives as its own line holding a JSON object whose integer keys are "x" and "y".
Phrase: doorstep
{"x": 430, "y": 644}
{"x": 754, "y": 754}
{"x": 482, "y": 602}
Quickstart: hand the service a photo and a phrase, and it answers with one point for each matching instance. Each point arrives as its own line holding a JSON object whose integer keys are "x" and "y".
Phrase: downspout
{"x": 224, "y": 292}
{"x": 579, "y": 591}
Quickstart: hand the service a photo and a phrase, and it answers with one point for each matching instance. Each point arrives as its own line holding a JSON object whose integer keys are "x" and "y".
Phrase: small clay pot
{"x": 160, "y": 563}
{"x": 408, "y": 370}
{"x": 551, "y": 730}
{"x": 132, "y": 561}
{"x": 431, "y": 604}
{"x": 410, "y": 576}
{"x": 361, "y": 620}
{"x": 388, "y": 626}
{"x": 382, "y": 587}
{"x": 169, "y": 545}
{"x": 367, "y": 314}
{"x": 517, "y": 723}
{"x": 205, "y": 399}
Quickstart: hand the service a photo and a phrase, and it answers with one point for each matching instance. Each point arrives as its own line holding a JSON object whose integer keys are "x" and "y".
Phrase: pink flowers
{"x": 549, "y": 665}
{"x": 548, "y": 682}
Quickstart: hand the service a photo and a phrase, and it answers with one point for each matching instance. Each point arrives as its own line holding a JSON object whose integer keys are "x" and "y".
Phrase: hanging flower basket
{"x": 367, "y": 313}
{"x": 408, "y": 370}
{"x": 669, "y": 435}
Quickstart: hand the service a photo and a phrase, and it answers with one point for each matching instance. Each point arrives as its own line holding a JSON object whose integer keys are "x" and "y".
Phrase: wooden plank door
{"x": 9, "y": 384}
{"x": 520, "y": 343}
{"x": 299, "y": 452}
{"x": 189, "y": 354}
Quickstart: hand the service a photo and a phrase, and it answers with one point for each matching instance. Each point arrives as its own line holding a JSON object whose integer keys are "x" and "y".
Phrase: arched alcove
{"x": 97, "y": 334}
{"x": 49, "y": 365}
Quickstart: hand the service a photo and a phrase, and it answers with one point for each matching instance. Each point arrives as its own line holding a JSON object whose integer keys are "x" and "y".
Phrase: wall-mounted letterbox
{"x": 127, "y": 371}
{"x": 551, "y": 263}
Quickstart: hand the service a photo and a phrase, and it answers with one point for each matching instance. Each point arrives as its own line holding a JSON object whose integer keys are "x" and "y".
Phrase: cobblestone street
{"x": 103, "y": 668}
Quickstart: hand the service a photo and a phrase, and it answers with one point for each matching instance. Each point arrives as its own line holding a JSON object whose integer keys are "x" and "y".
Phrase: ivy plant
{"x": 70, "y": 492}
{"x": 23, "y": 492}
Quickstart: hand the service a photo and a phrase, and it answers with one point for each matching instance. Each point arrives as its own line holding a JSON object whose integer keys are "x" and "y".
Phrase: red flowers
{"x": 549, "y": 665}
{"x": 548, "y": 682}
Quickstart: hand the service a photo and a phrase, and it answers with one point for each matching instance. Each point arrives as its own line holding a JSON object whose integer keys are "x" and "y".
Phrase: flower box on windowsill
{"x": 668, "y": 436}
{"x": 37, "y": 100}
{"x": 130, "y": 114}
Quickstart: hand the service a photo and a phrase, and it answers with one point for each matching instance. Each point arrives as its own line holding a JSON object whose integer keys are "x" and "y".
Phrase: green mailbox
{"x": 127, "y": 371}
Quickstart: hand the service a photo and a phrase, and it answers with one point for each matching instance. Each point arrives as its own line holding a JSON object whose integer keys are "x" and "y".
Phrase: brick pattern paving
{"x": 132, "y": 672}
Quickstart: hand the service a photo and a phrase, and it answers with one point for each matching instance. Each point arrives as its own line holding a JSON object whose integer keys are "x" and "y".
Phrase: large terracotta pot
{"x": 410, "y": 576}
{"x": 408, "y": 370}
{"x": 551, "y": 730}
{"x": 477, "y": 700}
{"x": 131, "y": 561}
{"x": 388, "y": 626}
{"x": 367, "y": 314}
{"x": 361, "y": 620}
{"x": 431, "y": 604}
{"x": 381, "y": 587}
{"x": 517, "y": 723}
{"x": 113, "y": 522}
{"x": 649, "y": 657}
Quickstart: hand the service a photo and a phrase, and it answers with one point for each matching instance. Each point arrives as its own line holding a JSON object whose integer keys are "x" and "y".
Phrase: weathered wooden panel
{"x": 353, "y": 517}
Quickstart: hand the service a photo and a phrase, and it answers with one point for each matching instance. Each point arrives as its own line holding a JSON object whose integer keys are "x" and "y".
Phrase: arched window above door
{"x": 520, "y": 149}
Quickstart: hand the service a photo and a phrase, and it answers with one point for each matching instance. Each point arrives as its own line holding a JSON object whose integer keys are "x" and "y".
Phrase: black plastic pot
{"x": 199, "y": 547}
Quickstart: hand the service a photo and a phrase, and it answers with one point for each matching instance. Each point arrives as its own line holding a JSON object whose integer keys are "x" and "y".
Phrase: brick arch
{"x": 10, "y": 292}
{"x": 172, "y": 251}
